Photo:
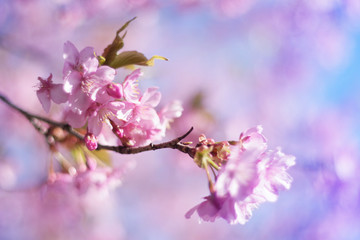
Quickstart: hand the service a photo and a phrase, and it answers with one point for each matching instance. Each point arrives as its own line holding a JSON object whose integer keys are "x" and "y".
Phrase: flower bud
{"x": 114, "y": 90}
{"x": 90, "y": 141}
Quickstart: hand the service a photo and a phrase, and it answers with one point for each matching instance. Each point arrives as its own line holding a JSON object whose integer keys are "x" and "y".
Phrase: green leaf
{"x": 111, "y": 58}
{"x": 111, "y": 50}
{"x": 127, "y": 58}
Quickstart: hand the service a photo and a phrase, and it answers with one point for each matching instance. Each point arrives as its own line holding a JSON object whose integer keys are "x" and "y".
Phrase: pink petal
{"x": 71, "y": 54}
{"x": 131, "y": 90}
{"x": 254, "y": 139}
{"x": 172, "y": 110}
{"x": 273, "y": 167}
{"x": 244, "y": 211}
{"x": 207, "y": 211}
{"x": 239, "y": 176}
{"x": 134, "y": 75}
{"x": 79, "y": 101}
{"x": 86, "y": 54}
{"x": 151, "y": 97}
{"x": 148, "y": 118}
{"x": 72, "y": 81}
{"x": 106, "y": 73}
{"x": 189, "y": 213}
{"x": 44, "y": 98}
{"x": 115, "y": 106}
{"x": 67, "y": 69}
{"x": 57, "y": 94}
{"x": 88, "y": 60}
{"x": 95, "y": 125}
{"x": 75, "y": 120}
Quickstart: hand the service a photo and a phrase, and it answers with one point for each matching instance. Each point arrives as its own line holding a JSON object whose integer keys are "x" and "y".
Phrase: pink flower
{"x": 94, "y": 99}
{"x": 172, "y": 110}
{"x": 142, "y": 124}
{"x": 98, "y": 114}
{"x": 239, "y": 176}
{"x": 86, "y": 89}
{"x": 168, "y": 113}
{"x": 84, "y": 61}
{"x": 273, "y": 174}
{"x": 96, "y": 84}
{"x": 83, "y": 79}
{"x": 250, "y": 177}
{"x": 100, "y": 178}
{"x": 49, "y": 91}
{"x": 213, "y": 208}
{"x": 142, "y": 121}
{"x": 253, "y": 138}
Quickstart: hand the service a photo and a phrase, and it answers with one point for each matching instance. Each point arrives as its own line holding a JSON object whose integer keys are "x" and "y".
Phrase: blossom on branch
{"x": 49, "y": 91}
{"x": 94, "y": 100}
{"x": 241, "y": 174}
{"x": 249, "y": 176}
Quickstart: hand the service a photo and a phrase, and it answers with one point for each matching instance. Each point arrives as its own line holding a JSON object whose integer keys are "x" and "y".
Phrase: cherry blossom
{"x": 49, "y": 91}
{"x": 250, "y": 176}
{"x": 95, "y": 99}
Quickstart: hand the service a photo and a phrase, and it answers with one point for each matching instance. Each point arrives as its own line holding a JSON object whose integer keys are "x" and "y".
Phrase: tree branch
{"x": 173, "y": 144}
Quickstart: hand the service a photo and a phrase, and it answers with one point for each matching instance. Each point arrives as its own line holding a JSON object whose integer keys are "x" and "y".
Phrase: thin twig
{"x": 173, "y": 144}
{"x": 29, "y": 116}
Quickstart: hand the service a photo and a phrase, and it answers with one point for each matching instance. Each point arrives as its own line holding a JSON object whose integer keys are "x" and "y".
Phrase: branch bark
{"x": 173, "y": 144}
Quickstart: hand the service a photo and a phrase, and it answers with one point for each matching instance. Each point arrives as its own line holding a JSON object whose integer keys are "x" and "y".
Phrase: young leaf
{"x": 111, "y": 50}
{"x": 127, "y": 58}
{"x": 111, "y": 58}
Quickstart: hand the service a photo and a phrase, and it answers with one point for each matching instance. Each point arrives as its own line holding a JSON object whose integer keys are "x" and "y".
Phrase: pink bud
{"x": 114, "y": 90}
{"x": 90, "y": 141}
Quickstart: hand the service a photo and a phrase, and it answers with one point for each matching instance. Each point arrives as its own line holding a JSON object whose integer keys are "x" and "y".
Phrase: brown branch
{"x": 173, "y": 144}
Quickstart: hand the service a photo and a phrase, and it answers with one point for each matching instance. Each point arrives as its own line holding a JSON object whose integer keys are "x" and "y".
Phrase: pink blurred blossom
{"x": 49, "y": 91}
{"x": 252, "y": 175}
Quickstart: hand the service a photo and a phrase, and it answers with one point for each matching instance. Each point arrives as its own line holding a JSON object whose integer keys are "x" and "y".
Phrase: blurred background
{"x": 290, "y": 65}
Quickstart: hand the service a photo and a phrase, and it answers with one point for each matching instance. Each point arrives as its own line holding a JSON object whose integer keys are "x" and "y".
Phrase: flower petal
{"x": 57, "y": 94}
{"x": 74, "y": 119}
{"x": 88, "y": 60}
{"x": 44, "y": 98}
{"x": 151, "y": 97}
{"x": 72, "y": 81}
{"x": 106, "y": 73}
{"x": 95, "y": 125}
{"x": 71, "y": 54}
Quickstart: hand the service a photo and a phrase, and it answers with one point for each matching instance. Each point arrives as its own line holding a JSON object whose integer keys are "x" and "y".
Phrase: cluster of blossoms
{"x": 245, "y": 173}
{"x": 248, "y": 175}
{"x": 86, "y": 179}
{"x": 94, "y": 99}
